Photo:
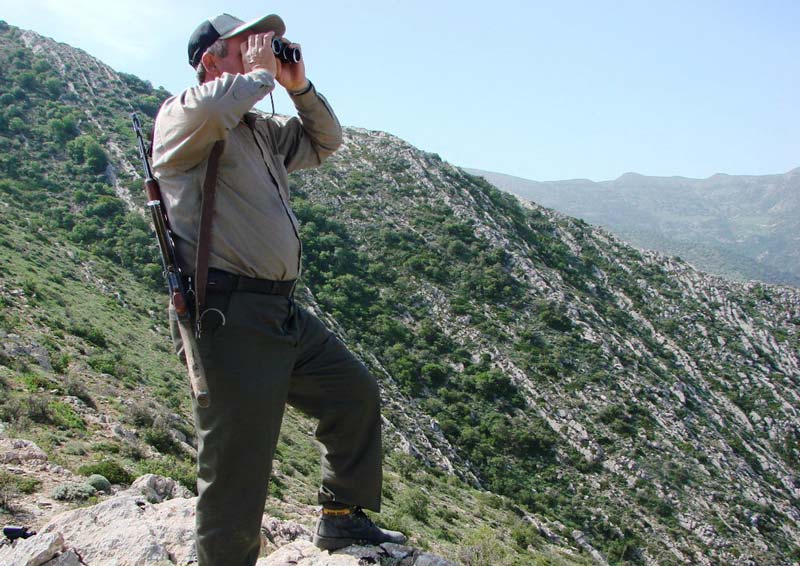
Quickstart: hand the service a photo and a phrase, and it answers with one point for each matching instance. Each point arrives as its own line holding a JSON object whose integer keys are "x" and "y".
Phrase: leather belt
{"x": 221, "y": 281}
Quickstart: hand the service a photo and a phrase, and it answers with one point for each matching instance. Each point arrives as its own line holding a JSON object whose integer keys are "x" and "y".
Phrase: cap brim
{"x": 273, "y": 22}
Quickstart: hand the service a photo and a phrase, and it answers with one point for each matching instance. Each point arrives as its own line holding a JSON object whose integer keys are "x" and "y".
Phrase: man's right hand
{"x": 257, "y": 53}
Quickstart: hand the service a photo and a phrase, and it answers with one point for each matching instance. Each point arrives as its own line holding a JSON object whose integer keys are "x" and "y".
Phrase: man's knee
{"x": 367, "y": 387}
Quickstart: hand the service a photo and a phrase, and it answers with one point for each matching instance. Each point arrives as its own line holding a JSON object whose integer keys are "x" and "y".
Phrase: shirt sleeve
{"x": 189, "y": 124}
{"x": 306, "y": 140}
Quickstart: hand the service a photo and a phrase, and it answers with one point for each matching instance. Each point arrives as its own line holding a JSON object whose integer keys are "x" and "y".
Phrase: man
{"x": 259, "y": 349}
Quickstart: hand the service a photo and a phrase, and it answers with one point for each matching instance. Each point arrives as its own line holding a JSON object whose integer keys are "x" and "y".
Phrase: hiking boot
{"x": 337, "y": 528}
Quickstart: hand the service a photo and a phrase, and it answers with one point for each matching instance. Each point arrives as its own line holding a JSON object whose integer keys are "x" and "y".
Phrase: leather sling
{"x": 204, "y": 231}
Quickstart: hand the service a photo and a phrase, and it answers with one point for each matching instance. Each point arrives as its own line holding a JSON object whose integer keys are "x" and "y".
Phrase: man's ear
{"x": 209, "y": 62}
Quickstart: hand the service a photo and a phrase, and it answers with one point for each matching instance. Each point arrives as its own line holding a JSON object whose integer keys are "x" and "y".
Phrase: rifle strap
{"x": 204, "y": 231}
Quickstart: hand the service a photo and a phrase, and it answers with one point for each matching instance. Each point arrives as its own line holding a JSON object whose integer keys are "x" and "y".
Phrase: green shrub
{"x": 38, "y": 410}
{"x": 414, "y": 503}
{"x": 64, "y": 416}
{"x": 11, "y": 485}
{"x": 76, "y": 388}
{"x": 100, "y": 483}
{"x": 89, "y": 333}
{"x": 525, "y": 534}
{"x": 482, "y": 547}
{"x": 73, "y": 492}
{"x": 160, "y": 438}
{"x": 110, "y": 469}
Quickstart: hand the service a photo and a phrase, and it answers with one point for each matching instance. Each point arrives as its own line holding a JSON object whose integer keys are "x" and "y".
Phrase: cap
{"x": 225, "y": 26}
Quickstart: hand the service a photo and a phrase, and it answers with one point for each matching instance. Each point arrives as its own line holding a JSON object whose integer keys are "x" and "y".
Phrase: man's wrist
{"x": 298, "y": 92}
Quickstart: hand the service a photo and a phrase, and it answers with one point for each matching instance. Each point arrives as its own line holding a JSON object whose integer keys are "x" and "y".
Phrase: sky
{"x": 540, "y": 90}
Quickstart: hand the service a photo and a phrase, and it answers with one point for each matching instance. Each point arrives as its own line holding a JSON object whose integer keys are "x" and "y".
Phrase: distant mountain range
{"x": 742, "y": 227}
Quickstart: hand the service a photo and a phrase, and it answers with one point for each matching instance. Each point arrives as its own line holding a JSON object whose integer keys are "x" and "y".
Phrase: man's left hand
{"x": 291, "y": 76}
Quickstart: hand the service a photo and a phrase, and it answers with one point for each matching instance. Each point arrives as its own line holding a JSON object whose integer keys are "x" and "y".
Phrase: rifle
{"x": 172, "y": 273}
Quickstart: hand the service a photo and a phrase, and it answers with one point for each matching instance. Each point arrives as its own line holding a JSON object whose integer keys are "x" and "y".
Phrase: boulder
{"x": 18, "y": 451}
{"x": 68, "y": 558}
{"x": 33, "y": 551}
{"x": 303, "y": 553}
{"x": 128, "y": 531}
{"x": 157, "y": 489}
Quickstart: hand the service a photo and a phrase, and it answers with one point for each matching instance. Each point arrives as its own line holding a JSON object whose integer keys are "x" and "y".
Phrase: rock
{"x": 68, "y": 558}
{"x": 33, "y": 551}
{"x": 123, "y": 433}
{"x": 157, "y": 488}
{"x": 392, "y": 554}
{"x": 583, "y": 542}
{"x": 127, "y": 531}
{"x": 398, "y": 551}
{"x": 303, "y": 553}
{"x": 279, "y": 533}
{"x": 17, "y": 451}
{"x": 365, "y": 554}
{"x": 426, "y": 559}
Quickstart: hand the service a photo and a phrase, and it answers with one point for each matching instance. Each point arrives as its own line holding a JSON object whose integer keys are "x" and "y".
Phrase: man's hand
{"x": 257, "y": 53}
{"x": 291, "y": 76}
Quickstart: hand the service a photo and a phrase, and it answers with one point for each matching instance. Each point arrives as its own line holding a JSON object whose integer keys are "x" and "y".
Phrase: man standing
{"x": 260, "y": 350}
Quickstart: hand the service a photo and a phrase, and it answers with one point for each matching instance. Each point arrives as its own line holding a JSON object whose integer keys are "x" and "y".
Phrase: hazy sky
{"x": 542, "y": 90}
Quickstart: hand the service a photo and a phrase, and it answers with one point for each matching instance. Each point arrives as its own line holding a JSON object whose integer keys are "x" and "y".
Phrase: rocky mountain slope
{"x": 552, "y": 395}
{"x": 739, "y": 226}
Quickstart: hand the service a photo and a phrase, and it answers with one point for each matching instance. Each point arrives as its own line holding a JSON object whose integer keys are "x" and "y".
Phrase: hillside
{"x": 738, "y": 226}
{"x": 552, "y": 395}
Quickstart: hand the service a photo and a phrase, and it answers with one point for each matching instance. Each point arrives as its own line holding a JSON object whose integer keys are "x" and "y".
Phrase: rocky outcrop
{"x": 152, "y": 523}
{"x": 303, "y": 553}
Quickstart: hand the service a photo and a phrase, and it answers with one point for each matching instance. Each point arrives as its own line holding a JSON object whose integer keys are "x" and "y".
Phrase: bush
{"x": 73, "y": 492}
{"x": 76, "y": 388}
{"x": 160, "y": 438}
{"x": 482, "y": 547}
{"x": 65, "y": 417}
{"x": 89, "y": 333}
{"x": 140, "y": 415}
{"x": 87, "y": 151}
{"x": 110, "y": 469}
{"x": 100, "y": 483}
{"x": 38, "y": 409}
{"x": 11, "y": 485}
{"x": 414, "y": 503}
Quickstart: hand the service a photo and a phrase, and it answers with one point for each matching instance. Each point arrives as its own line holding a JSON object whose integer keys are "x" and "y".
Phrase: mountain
{"x": 551, "y": 394}
{"x": 741, "y": 227}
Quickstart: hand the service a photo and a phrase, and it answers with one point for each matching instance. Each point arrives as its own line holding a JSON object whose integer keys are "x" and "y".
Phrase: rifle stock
{"x": 172, "y": 273}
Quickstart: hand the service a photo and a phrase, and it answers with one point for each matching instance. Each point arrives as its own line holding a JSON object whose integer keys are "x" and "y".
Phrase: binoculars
{"x": 284, "y": 52}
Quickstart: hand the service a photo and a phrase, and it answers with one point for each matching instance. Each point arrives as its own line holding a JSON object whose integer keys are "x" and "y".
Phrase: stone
{"x": 279, "y": 533}
{"x": 426, "y": 559}
{"x": 68, "y": 558}
{"x": 303, "y": 553}
{"x": 364, "y": 554}
{"x": 128, "y": 531}
{"x": 157, "y": 488}
{"x": 18, "y": 451}
{"x": 33, "y": 551}
{"x": 397, "y": 551}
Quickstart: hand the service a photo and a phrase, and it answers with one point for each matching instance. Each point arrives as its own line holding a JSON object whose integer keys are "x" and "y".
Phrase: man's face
{"x": 232, "y": 62}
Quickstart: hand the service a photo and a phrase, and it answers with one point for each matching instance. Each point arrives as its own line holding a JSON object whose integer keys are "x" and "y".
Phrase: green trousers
{"x": 270, "y": 352}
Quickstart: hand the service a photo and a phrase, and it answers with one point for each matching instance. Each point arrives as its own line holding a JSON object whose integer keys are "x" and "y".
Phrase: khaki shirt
{"x": 254, "y": 231}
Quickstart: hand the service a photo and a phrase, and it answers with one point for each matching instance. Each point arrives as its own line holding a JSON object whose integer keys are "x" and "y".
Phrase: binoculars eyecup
{"x": 284, "y": 52}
